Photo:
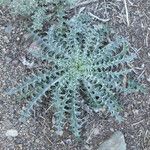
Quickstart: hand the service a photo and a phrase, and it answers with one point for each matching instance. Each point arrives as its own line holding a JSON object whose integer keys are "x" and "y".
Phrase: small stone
{"x": 19, "y": 146}
{"x": 143, "y": 65}
{"x": 13, "y": 31}
{"x": 18, "y": 38}
{"x": 52, "y": 131}
{"x": 112, "y": 130}
{"x": 60, "y": 133}
{"x": 136, "y": 112}
{"x": 125, "y": 114}
{"x": 4, "y": 50}
{"x": 6, "y": 39}
{"x": 87, "y": 147}
{"x": 68, "y": 141}
{"x": 8, "y": 29}
{"x": 96, "y": 110}
{"x": 11, "y": 133}
{"x": 62, "y": 142}
{"x": 53, "y": 120}
{"x": 96, "y": 131}
{"x": 3, "y": 28}
{"x": 148, "y": 79}
{"x": 116, "y": 142}
{"x": 21, "y": 33}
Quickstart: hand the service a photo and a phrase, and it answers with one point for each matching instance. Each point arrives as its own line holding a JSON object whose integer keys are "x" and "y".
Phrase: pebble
{"x": 125, "y": 114}
{"x": 4, "y": 50}
{"x": 6, "y": 39}
{"x": 11, "y": 133}
{"x": 148, "y": 79}
{"x": 87, "y": 147}
{"x": 60, "y": 133}
{"x": 115, "y": 142}
{"x": 18, "y": 38}
{"x": 52, "y": 131}
{"x": 112, "y": 130}
{"x": 68, "y": 141}
{"x": 9, "y": 28}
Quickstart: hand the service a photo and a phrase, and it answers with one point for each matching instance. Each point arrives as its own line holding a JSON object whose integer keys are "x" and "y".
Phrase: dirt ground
{"x": 38, "y": 133}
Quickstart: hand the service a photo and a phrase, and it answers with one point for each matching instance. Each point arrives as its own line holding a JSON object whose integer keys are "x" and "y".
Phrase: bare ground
{"x": 38, "y": 133}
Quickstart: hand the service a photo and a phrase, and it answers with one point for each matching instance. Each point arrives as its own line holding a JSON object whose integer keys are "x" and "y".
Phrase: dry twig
{"x": 96, "y": 17}
{"x": 127, "y": 13}
{"x": 86, "y": 3}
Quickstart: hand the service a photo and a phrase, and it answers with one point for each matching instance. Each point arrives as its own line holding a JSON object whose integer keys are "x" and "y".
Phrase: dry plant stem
{"x": 91, "y": 133}
{"x": 127, "y": 13}
{"x": 85, "y": 3}
{"x": 146, "y": 40}
{"x": 134, "y": 124}
{"x": 141, "y": 74}
{"x": 100, "y": 19}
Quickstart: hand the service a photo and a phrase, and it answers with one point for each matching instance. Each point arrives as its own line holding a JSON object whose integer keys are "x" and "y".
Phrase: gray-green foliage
{"x": 38, "y": 10}
{"x": 83, "y": 62}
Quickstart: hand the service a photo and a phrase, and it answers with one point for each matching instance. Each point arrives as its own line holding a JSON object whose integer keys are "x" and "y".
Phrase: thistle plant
{"x": 39, "y": 11}
{"x": 82, "y": 60}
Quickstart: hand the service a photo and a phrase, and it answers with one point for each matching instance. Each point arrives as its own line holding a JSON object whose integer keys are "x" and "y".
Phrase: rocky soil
{"x": 37, "y": 133}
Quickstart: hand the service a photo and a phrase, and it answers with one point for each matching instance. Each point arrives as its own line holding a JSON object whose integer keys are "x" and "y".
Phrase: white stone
{"x": 116, "y": 142}
{"x": 148, "y": 79}
{"x": 60, "y": 133}
{"x": 11, "y": 133}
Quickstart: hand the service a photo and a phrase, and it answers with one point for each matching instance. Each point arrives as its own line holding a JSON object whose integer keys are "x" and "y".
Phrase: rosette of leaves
{"x": 82, "y": 59}
{"x": 39, "y": 11}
